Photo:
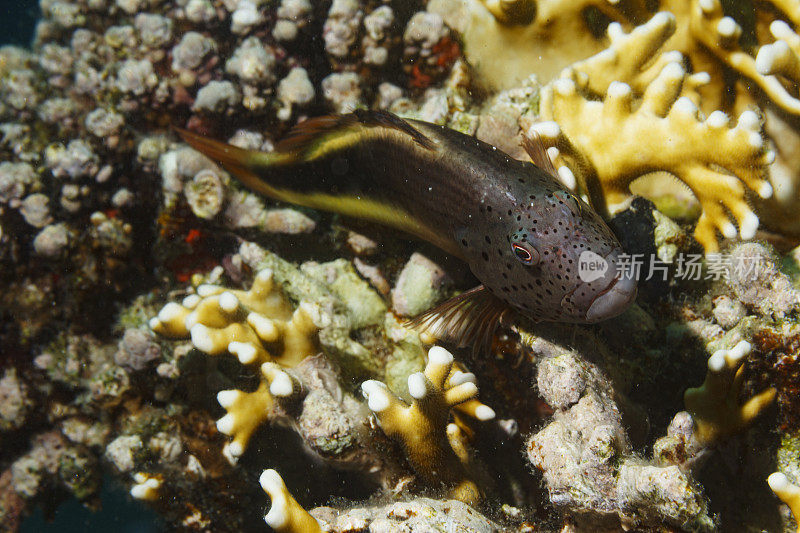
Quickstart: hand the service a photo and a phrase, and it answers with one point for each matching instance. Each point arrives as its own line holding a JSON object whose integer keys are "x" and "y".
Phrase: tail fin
{"x": 239, "y": 162}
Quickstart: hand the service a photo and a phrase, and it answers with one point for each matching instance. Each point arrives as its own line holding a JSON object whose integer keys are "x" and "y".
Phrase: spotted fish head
{"x": 547, "y": 254}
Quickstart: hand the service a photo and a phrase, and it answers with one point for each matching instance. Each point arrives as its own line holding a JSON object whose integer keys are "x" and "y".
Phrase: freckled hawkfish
{"x": 525, "y": 237}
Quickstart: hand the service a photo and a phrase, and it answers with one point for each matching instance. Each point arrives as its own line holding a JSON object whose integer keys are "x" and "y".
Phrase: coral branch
{"x": 437, "y": 450}
{"x": 716, "y": 160}
{"x": 244, "y": 323}
{"x": 715, "y": 406}
{"x": 246, "y": 411}
{"x": 285, "y": 515}
{"x": 788, "y": 492}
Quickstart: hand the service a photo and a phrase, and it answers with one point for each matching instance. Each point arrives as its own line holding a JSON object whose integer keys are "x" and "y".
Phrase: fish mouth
{"x": 616, "y": 297}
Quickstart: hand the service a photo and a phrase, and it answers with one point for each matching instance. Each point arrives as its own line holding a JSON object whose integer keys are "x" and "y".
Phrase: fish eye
{"x": 526, "y": 253}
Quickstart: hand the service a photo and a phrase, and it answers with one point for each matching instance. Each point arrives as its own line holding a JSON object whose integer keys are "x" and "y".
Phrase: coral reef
{"x": 166, "y": 329}
{"x": 437, "y": 450}
{"x": 714, "y": 406}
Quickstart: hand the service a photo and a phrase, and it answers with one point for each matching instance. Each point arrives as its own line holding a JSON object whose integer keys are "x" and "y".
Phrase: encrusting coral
{"x": 285, "y": 515}
{"x": 788, "y": 492}
{"x": 715, "y": 159}
{"x": 437, "y": 449}
{"x": 715, "y": 406}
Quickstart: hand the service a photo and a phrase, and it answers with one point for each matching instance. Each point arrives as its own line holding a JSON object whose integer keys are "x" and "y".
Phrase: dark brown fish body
{"x": 520, "y": 231}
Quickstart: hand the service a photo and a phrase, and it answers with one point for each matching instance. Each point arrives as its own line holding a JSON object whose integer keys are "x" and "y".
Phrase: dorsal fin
{"x": 532, "y": 144}
{"x": 309, "y": 133}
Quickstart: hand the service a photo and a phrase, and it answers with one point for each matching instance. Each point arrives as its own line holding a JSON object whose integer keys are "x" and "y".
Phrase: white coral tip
{"x": 201, "y": 338}
{"x": 567, "y": 177}
{"x": 765, "y": 189}
{"x": 170, "y": 312}
{"x": 614, "y": 30}
{"x": 728, "y": 230}
{"x": 154, "y": 323}
{"x": 716, "y": 363}
{"x": 749, "y": 120}
{"x": 781, "y": 30}
{"x": 282, "y": 385}
{"x": 741, "y": 349}
{"x": 662, "y": 18}
{"x": 685, "y": 105}
{"x": 755, "y": 140}
{"x": 709, "y": 6}
{"x": 228, "y": 302}
{"x": 674, "y": 70}
{"x": 778, "y": 482}
{"x": 225, "y": 425}
{"x": 727, "y": 27}
{"x": 484, "y": 413}
{"x": 701, "y": 78}
{"x": 417, "y": 385}
{"x": 618, "y": 89}
{"x": 191, "y": 301}
{"x": 460, "y": 377}
{"x": 547, "y": 130}
{"x": 264, "y": 276}
{"x": 234, "y": 450}
{"x": 553, "y": 153}
{"x": 748, "y": 226}
{"x": 376, "y": 394}
{"x": 244, "y": 351}
{"x": 564, "y": 86}
{"x": 278, "y": 515}
{"x": 227, "y": 398}
{"x": 207, "y": 290}
{"x": 673, "y": 56}
{"x": 439, "y": 356}
{"x": 717, "y": 119}
{"x": 265, "y": 327}
{"x": 769, "y": 157}
{"x": 767, "y": 57}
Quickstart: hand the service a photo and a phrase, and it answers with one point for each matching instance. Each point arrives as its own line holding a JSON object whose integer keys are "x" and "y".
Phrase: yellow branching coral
{"x": 788, "y": 492}
{"x": 146, "y": 486}
{"x": 437, "y": 450}
{"x": 285, "y": 515}
{"x": 507, "y": 40}
{"x": 257, "y": 326}
{"x": 610, "y": 143}
{"x": 246, "y": 411}
{"x": 715, "y": 406}
{"x": 713, "y": 42}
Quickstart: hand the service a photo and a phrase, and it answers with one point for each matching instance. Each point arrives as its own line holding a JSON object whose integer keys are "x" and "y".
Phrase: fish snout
{"x": 619, "y": 293}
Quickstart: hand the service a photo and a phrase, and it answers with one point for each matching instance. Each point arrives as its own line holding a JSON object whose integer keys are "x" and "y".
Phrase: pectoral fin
{"x": 469, "y": 319}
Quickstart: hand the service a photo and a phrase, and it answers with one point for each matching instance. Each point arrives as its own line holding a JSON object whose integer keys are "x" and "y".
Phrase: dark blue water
{"x": 119, "y": 513}
{"x": 17, "y": 20}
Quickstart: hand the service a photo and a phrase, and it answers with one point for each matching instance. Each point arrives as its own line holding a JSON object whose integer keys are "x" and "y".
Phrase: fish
{"x": 536, "y": 248}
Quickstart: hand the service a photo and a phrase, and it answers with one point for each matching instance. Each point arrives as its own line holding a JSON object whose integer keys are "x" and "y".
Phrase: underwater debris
{"x": 437, "y": 449}
{"x": 715, "y": 406}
